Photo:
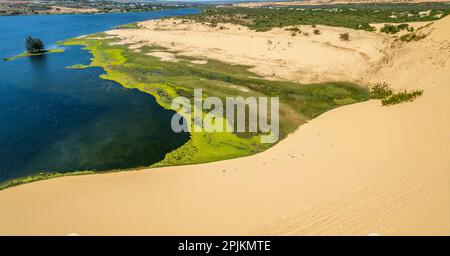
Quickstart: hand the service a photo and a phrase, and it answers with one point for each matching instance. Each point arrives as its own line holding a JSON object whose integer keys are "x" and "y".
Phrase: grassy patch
{"x": 133, "y": 25}
{"x": 344, "y": 37}
{"x": 78, "y": 66}
{"x": 41, "y": 176}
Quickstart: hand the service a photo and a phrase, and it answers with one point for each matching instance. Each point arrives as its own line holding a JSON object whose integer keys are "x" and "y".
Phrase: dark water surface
{"x": 54, "y": 119}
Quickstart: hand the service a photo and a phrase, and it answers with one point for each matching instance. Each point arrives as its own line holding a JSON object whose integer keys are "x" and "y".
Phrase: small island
{"x": 34, "y": 47}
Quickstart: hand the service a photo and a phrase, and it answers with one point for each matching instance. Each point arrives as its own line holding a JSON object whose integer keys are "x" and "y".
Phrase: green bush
{"x": 38, "y": 177}
{"x": 294, "y": 31}
{"x": 382, "y": 92}
{"x": 400, "y": 97}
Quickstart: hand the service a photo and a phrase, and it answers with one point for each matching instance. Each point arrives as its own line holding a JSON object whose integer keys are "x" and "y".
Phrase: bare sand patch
{"x": 164, "y": 56}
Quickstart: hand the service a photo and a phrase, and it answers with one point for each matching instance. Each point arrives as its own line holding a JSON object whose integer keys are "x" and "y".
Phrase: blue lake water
{"x": 54, "y": 119}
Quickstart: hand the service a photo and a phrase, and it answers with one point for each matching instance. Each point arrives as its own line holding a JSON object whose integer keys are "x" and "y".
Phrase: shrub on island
{"x": 34, "y": 45}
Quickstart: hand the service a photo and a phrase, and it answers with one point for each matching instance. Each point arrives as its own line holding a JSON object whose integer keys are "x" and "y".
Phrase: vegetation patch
{"x": 294, "y": 31}
{"x": 401, "y": 97}
{"x": 344, "y": 37}
{"x": 41, "y": 176}
{"x": 133, "y": 25}
{"x": 78, "y": 66}
{"x": 26, "y": 54}
{"x": 393, "y": 29}
{"x": 354, "y": 16}
{"x": 412, "y": 37}
{"x": 381, "y": 91}
{"x": 388, "y": 97}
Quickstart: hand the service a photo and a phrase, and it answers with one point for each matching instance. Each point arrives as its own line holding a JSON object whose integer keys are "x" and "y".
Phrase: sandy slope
{"x": 355, "y": 170}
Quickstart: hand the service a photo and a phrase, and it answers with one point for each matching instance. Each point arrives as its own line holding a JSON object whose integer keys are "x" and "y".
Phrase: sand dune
{"x": 355, "y": 170}
{"x": 274, "y": 54}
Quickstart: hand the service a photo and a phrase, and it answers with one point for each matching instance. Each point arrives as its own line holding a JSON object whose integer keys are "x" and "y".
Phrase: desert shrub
{"x": 403, "y": 26}
{"x": 388, "y": 29}
{"x": 393, "y": 29}
{"x": 412, "y": 37}
{"x": 294, "y": 31}
{"x": 400, "y": 97}
{"x": 316, "y": 32}
{"x": 344, "y": 37}
{"x": 380, "y": 91}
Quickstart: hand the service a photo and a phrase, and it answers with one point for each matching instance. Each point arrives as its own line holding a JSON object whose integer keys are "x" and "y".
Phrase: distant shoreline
{"x": 87, "y": 13}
